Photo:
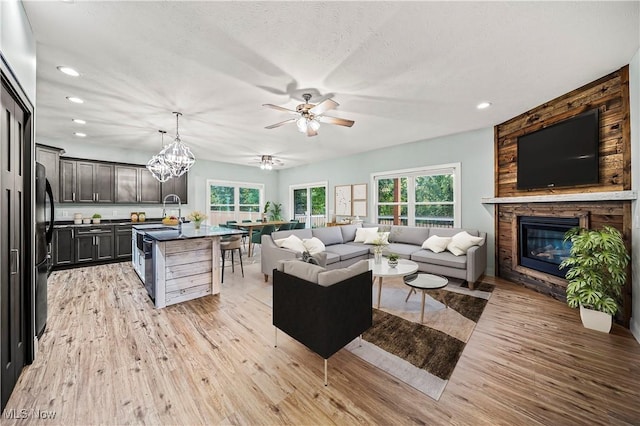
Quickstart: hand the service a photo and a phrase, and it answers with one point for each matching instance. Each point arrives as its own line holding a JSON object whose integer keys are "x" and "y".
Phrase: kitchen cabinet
{"x": 49, "y": 157}
{"x": 176, "y": 186}
{"x": 135, "y": 184}
{"x": 94, "y": 243}
{"x": 86, "y": 181}
{"x": 62, "y": 246}
{"x": 123, "y": 246}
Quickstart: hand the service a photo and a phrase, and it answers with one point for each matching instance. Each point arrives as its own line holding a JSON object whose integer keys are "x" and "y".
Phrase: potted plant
{"x": 393, "y": 260}
{"x": 265, "y": 211}
{"x": 96, "y": 217}
{"x": 597, "y": 265}
{"x": 276, "y": 211}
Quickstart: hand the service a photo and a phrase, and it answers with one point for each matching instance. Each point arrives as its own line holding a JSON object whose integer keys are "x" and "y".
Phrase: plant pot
{"x": 197, "y": 223}
{"x": 96, "y": 221}
{"x": 393, "y": 263}
{"x": 595, "y": 320}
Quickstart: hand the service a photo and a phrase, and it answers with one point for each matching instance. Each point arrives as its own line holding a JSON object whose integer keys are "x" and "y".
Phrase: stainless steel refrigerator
{"x": 44, "y": 233}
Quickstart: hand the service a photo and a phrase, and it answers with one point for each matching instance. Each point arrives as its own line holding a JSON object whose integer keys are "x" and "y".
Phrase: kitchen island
{"x": 184, "y": 263}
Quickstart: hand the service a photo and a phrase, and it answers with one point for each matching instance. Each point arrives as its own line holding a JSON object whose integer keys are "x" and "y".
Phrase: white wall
{"x": 197, "y": 180}
{"x": 634, "y": 95}
{"x": 474, "y": 150}
{"x": 18, "y": 45}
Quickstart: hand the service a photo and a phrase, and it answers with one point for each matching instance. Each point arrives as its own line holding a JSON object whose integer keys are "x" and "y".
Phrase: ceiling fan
{"x": 267, "y": 162}
{"x": 310, "y": 116}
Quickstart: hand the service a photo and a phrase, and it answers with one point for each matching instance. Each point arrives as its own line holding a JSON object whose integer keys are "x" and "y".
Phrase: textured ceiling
{"x": 404, "y": 71}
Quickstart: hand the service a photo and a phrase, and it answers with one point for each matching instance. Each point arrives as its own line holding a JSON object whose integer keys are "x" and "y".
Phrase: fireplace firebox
{"x": 541, "y": 242}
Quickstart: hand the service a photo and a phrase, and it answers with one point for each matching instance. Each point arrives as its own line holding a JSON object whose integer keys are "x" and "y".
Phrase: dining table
{"x": 250, "y": 226}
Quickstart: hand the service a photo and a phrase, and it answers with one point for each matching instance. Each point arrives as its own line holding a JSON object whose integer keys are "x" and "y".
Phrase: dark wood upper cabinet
{"x": 49, "y": 157}
{"x": 135, "y": 184}
{"x": 176, "y": 186}
{"x": 86, "y": 181}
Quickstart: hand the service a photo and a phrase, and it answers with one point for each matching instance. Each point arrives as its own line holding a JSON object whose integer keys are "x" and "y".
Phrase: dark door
{"x": 123, "y": 242}
{"x": 127, "y": 183}
{"x": 149, "y": 187}
{"x": 84, "y": 182}
{"x": 67, "y": 181}
{"x": 104, "y": 246}
{"x": 178, "y": 186}
{"x": 84, "y": 248}
{"x": 62, "y": 247}
{"x": 103, "y": 182}
{"x": 13, "y": 294}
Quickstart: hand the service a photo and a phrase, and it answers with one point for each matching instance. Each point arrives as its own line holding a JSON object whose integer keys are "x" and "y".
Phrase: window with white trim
{"x": 426, "y": 196}
{"x": 234, "y": 201}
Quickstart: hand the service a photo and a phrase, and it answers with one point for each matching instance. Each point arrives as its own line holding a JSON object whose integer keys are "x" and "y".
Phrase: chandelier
{"x": 177, "y": 156}
{"x": 157, "y": 166}
{"x": 266, "y": 162}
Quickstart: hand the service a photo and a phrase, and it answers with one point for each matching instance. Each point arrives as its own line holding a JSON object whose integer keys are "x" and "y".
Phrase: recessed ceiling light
{"x": 69, "y": 71}
{"x": 78, "y": 121}
{"x": 75, "y": 100}
{"x": 483, "y": 105}
{"x": 80, "y": 135}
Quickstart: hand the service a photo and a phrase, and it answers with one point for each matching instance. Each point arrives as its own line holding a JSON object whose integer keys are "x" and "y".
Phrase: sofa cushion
{"x": 300, "y": 233}
{"x": 450, "y": 232}
{"x": 377, "y": 238}
{"x": 443, "y": 259}
{"x": 349, "y": 232}
{"x": 348, "y": 251}
{"x": 329, "y": 235}
{"x": 332, "y": 257}
{"x": 461, "y": 242}
{"x": 303, "y": 270}
{"x": 402, "y": 250}
{"x": 328, "y": 278}
{"x": 436, "y": 244}
{"x": 292, "y": 243}
{"x": 415, "y": 235}
{"x": 363, "y": 233}
{"x": 313, "y": 245}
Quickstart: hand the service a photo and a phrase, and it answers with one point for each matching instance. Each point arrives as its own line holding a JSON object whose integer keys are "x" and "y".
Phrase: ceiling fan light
{"x": 302, "y": 124}
{"x": 314, "y": 124}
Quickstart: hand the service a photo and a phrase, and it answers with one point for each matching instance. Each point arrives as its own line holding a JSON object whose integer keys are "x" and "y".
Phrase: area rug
{"x": 422, "y": 355}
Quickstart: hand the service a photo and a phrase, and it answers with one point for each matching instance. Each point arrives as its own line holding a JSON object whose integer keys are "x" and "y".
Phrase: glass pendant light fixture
{"x": 177, "y": 155}
{"x": 266, "y": 163}
{"x": 157, "y": 166}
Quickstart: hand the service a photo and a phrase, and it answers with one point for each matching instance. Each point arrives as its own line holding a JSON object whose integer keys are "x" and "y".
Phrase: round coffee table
{"x": 382, "y": 270}
{"x": 424, "y": 282}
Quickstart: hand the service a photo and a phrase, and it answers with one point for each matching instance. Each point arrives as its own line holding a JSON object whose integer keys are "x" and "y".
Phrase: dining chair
{"x": 299, "y": 225}
{"x": 286, "y": 226}
{"x": 231, "y": 244}
{"x": 256, "y": 238}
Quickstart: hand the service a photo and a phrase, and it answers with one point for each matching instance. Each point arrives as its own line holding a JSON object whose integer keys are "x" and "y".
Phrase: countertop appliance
{"x": 44, "y": 232}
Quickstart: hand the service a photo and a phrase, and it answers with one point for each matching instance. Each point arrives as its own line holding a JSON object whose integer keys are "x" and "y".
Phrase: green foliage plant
{"x": 393, "y": 256}
{"x": 266, "y": 207}
{"x": 276, "y": 211}
{"x": 597, "y": 268}
{"x": 96, "y": 216}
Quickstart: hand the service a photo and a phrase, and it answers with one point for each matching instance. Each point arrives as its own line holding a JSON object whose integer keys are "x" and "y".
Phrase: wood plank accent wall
{"x": 610, "y": 94}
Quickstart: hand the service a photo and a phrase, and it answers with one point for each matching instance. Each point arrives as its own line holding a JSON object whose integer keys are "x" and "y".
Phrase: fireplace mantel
{"x": 563, "y": 198}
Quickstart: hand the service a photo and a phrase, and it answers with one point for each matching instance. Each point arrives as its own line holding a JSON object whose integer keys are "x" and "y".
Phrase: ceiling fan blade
{"x": 273, "y": 126}
{"x": 311, "y": 132}
{"x": 335, "y": 120}
{"x": 323, "y": 106}
{"x": 279, "y": 108}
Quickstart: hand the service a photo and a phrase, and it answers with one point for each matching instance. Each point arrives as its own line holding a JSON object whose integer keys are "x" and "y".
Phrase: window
{"x": 426, "y": 197}
{"x": 309, "y": 203}
{"x": 234, "y": 201}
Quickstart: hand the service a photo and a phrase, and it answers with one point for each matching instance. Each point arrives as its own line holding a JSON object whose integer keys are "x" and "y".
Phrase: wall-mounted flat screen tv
{"x": 564, "y": 154}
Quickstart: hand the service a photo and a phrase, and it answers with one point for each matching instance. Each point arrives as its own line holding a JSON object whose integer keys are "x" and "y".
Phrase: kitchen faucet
{"x": 164, "y": 208}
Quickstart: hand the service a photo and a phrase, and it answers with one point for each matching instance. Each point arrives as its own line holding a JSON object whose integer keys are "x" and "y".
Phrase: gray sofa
{"x": 405, "y": 241}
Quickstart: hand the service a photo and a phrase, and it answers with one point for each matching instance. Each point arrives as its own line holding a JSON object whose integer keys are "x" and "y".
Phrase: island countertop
{"x": 189, "y": 232}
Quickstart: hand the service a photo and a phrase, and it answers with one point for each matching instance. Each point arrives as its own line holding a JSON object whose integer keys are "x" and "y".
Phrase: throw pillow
{"x": 362, "y": 233}
{"x": 436, "y": 244}
{"x": 292, "y": 243}
{"x": 461, "y": 242}
{"x": 378, "y": 238}
{"x": 313, "y": 245}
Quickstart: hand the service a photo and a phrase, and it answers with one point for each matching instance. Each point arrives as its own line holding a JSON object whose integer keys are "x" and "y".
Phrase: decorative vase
{"x": 96, "y": 220}
{"x": 197, "y": 223}
{"x": 393, "y": 263}
{"x": 377, "y": 257}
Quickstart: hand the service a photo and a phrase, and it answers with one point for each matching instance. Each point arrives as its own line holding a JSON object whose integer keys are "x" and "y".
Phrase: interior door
{"x": 310, "y": 205}
{"x": 13, "y": 320}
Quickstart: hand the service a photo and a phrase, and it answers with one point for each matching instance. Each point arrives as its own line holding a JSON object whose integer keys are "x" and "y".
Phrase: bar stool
{"x": 233, "y": 243}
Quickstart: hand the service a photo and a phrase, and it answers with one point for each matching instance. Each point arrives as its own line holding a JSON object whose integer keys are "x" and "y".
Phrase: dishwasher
{"x": 149, "y": 267}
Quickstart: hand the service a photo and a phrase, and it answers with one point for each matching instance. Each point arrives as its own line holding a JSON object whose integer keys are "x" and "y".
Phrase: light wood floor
{"x": 109, "y": 357}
